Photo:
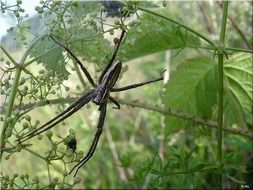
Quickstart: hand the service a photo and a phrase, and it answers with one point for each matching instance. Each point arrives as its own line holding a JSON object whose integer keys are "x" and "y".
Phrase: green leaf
{"x": 9, "y": 150}
{"x": 238, "y": 71}
{"x": 198, "y": 167}
{"x": 236, "y": 180}
{"x": 97, "y": 51}
{"x": 232, "y": 109}
{"x": 209, "y": 168}
{"x": 85, "y": 33}
{"x": 192, "y": 89}
{"x": 243, "y": 144}
{"x": 82, "y": 8}
{"x": 153, "y": 34}
{"x": 53, "y": 61}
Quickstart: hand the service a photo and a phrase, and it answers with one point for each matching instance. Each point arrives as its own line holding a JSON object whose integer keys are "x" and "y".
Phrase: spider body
{"x": 108, "y": 81}
{"x": 100, "y": 94}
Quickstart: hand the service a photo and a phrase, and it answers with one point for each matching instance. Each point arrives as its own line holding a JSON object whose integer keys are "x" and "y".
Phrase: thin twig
{"x": 185, "y": 116}
{"x": 166, "y": 111}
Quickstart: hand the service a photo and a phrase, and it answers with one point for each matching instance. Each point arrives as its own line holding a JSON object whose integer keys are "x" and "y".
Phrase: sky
{"x": 28, "y": 5}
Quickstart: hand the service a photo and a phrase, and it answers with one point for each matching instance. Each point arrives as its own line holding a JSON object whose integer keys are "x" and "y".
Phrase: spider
{"x": 100, "y": 95}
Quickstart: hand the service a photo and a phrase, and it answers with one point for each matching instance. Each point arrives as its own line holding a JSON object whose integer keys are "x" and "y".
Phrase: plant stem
{"x": 48, "y": 173}
{"x": 239, "y": 49}
{"x": 237, "y": 28}
{"x": 13, "y": 93}
{"x": 221, "y": 88}
{"x": 223, "y": 25}
{"x": 35, "y": 154}
{"x": 155, "y": 108}
{"x": 8, "y": 55}
{"x": 220, "y": 115}
{"x": 180, "y": 24}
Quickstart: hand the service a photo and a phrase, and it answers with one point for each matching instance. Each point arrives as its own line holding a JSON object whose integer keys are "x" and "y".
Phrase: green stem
{"x": 48, "y": 173}
{"x": 166, "y": 111}
{"x": 221, "y": 88}
{"x": 220, "y": 105}
{"x": 36, "y": 154}
{"x": 237, "y": 28}
{"x": 12, "y": 96}
{"x": 232, "y": 49}
{"x": 8, "y": 55}
{"x": 180, "y": 24}
{"x": 224, "y": 22}
{"x": 239, "y": 50}
{"x": 16, "y": 65}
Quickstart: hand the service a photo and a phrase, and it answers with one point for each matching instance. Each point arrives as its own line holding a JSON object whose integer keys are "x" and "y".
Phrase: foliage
{"x": 167, "y": 136}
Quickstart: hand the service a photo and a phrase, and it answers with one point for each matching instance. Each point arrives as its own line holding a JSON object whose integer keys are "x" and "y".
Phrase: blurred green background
{"x": 139, "y": 148}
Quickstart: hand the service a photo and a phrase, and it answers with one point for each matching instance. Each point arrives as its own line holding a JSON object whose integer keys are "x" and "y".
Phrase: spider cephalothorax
{"x": 100, "y": 95}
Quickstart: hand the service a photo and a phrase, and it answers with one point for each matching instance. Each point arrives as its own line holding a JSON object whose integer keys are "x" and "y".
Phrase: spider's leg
{"x": 115, "y": 103}
{"x": 85, "y": 71}
{"x": 135, "y": 85}
{"x": 95, "y": 140}
{"x": 112, "y": 58}
{"x": 62, "y": 116}
{"x": 59, "y": 115}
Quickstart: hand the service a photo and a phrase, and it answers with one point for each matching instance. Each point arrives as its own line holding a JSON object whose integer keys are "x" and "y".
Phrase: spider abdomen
{"x": 112, "y": 75}
{"x": 108, "y": 82}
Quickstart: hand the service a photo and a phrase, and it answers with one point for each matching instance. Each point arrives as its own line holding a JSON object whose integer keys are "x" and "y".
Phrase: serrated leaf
{"x": 155, "y": 34}
{"x": 238, "y": 71}
{"x": 232, "y": 109}
{"x": 97, "y": 50}
{"x": 90, "y": 46}
{"x": 53, "y": 61}
{"x": 192, "y": 89}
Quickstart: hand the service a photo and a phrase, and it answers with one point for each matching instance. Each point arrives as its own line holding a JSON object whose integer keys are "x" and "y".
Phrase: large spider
{"x": 100, "y": 94}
